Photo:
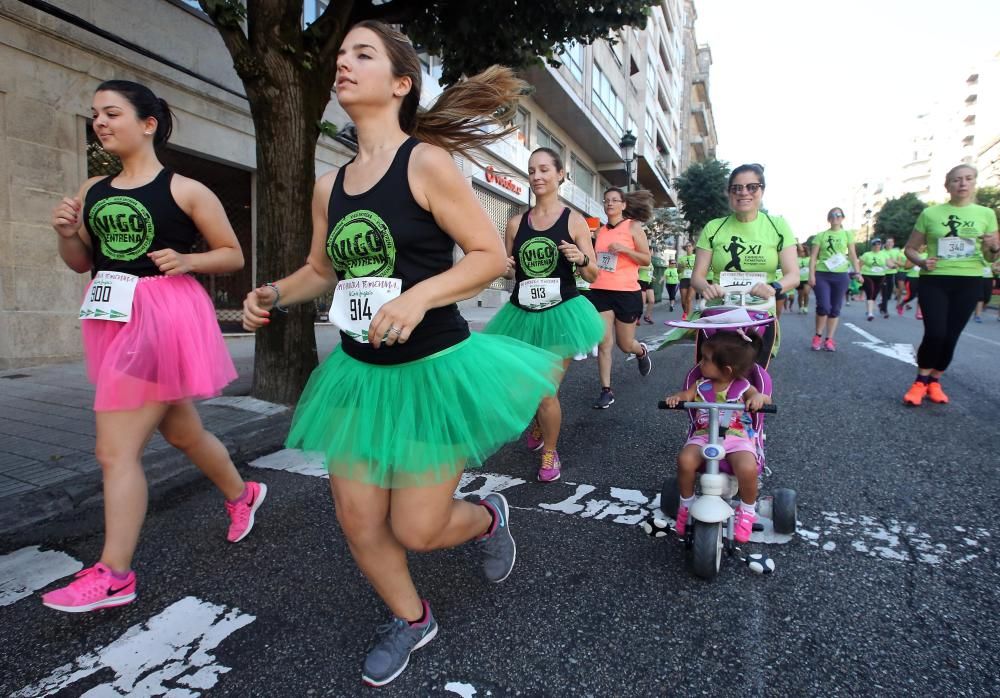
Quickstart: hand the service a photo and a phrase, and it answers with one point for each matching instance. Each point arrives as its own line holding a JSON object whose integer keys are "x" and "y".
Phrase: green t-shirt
{"x": 748, "y": 247}
{"x": 803, "y": 268}
{"x": 914, "y": 271}
{"x": 874, "y": 263}
{"x": 671, "y": 276}
{"x": 687, "y": 262}
{"x": 646, "y": 273}
{"x": 896, "y": 255}
{"x": 942, "y": 224}
{"x": 833, "y": 244}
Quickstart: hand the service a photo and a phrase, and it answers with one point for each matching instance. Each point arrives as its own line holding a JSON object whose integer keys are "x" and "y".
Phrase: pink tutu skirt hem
{"x": 170, "y": 350}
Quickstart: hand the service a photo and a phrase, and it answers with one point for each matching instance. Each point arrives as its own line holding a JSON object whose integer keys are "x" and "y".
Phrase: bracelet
{"x": 585, "y": 263}
{"x": 277, "y": 298}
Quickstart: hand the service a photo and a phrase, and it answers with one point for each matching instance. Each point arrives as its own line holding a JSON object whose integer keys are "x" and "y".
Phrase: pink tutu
{"x": 170, "y": 350}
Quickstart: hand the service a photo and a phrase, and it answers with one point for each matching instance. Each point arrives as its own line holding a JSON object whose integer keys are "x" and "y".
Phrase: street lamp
{"x": 627, "y": 144}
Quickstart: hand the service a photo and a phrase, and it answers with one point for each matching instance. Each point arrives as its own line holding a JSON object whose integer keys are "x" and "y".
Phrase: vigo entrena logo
{"x": 360, "y": 244}
{"x": 124, "y": 227}
{"x": 538, "y": 257}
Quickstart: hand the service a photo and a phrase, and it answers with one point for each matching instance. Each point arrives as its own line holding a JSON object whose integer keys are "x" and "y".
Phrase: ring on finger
{"x": 395, "y": 330}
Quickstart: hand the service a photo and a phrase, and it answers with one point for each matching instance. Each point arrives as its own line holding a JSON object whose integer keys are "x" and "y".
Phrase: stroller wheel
{"x": 707, "y": 552}
{"x": 785, "y": 511}
{"x": 670, "y": 497}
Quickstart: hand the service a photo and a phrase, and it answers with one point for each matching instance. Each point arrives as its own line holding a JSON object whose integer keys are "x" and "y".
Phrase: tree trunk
{"x": 286, "y": 127}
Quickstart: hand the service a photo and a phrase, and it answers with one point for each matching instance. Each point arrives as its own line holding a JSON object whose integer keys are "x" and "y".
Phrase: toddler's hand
{"x": 757, "y": 401}
{"x": 672, "y": 400}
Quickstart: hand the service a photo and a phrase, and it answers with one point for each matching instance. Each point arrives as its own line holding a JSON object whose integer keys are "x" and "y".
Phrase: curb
{"x": 165, "y": 471}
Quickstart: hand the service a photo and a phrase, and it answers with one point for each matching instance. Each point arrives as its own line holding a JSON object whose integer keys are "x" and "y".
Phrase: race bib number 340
{"x": 356, "y": 302}
{"x": 956, "y": 248}
{"x": 109, "y": 297}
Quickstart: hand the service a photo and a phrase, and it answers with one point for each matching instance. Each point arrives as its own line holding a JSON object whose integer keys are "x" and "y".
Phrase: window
{"x": 312, "y": 9}
{"x": 583, "y": 177}
{"x": 574, "y": 60}
{"x": 650, "y": 76}
{"x": 607, "y": 99}
{"x": 547, "y": 140}
{"x": 650, "y": 127}
{"x": 616, "y": 43}
{"x": 522, "y": 120}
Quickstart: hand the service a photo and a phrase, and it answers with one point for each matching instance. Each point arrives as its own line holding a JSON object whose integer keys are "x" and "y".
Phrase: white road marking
{"x": 466, "y": 690}
{"x": 981, "y": 339}
{"x": 248, "y": 404}
{"x": 25, "y": 571}
{"x": 155, "y": 658}
{"x": 900, "y": 352}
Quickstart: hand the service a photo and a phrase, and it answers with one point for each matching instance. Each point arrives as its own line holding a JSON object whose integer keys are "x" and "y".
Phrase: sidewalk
{"x": 47, "y": 432}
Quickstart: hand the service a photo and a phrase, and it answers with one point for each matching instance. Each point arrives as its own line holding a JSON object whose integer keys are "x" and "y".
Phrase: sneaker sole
{"x": 375, "y": 683}
{"x": 537, "y": 448}
{"x": 506, "y": 517}
{"x": 553, "y": 479}
{"x": 106, "y": 603}
{"x": 604, "y": 407}
{"x": 253, "y": 510}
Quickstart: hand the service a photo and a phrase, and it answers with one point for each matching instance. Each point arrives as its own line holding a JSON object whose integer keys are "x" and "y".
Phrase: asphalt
{"x": 890, "y": 587}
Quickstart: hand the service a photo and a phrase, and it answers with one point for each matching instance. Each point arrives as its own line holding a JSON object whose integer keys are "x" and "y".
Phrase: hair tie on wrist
{"x": 277, "y": 298}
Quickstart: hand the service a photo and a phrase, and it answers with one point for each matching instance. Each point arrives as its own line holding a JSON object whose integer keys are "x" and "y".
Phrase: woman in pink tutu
{"x": 150, "y": 336}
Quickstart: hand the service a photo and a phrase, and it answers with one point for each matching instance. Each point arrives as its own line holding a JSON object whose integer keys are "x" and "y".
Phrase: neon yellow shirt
{"x": 685, "y": 263}
{"x": 749, "y": 247}
{"x": 955, "y": 237}
{"x": 832, "y": 243}
{"x": 671, "y": 276}
{"x": 874, "y": 263}
{"x": 914, "y": 271}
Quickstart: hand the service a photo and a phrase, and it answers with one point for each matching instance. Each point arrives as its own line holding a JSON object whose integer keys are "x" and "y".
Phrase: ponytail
{"x": 638, "y": 204}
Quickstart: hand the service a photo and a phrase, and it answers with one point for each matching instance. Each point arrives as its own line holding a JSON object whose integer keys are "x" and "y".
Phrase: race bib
{"x": 538, "y": 294}
{"x": 878, "y": 270}
{"x": 356, "y": 301}
{"x": 687, "y": 273}
{"x": 737, "y": 285}
{"x": 109, "y": 297}
{"x": 608, "y": 261}
{"x": 956, "y": 248}
{"x": 837, "y": 260}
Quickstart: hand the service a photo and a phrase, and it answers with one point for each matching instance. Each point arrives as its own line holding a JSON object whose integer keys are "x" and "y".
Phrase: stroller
{"x": 711, "y": 518}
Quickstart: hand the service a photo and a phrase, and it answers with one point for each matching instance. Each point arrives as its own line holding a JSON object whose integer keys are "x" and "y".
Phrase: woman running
{"x": 409, "y": 398}
{"x": 670, "y": 279}
{"x": 832, "y": 259}
{"x": 685, "y": 265}
{"x": 961, "y": 239}
{"x": 621, "y": 248}
{"x": 648, "y": 297}
{"x": 150, "y": 336}
{"x": 912, "y": 288}
{"x": 802, "y": 292}
{"x": 874, "y": 262}
{"x": 545, "y": 246}
{"x": 987, "y": 293}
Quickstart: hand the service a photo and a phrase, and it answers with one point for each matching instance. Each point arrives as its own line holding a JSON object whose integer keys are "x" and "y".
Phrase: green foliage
{"x": 664, "y": 228}
{"x": 897, "y": 218}
{"x": 989, "y": 197}
{"x": 702, "y": 191}
{"x": 328, "y": 129}
{"x": 225, "y": 12}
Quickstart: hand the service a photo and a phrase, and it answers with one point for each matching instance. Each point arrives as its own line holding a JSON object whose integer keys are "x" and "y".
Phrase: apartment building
{"x": 700, "y": 138}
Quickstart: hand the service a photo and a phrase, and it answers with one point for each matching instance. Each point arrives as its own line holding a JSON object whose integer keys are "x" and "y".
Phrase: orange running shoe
{"x": 935, "y": 394}
{"x": 915, "y": 395}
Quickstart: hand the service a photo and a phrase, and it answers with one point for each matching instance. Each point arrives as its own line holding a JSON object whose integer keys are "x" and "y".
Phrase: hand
{"x": 756, "y": 401}
{"x": 812, "y": 280}
{"x": 763, "y": 290}
{"x": 396, "y": 320}
{"x": 66, "y": 217}
{"x": 170, "y": 263}
{"x": 572, "y": 253}
{"x": 511, "y": 264}
{"x": 673, "y": 400}
{"x": 713, "y": 291}
{"x": 257, "y": 308}
{"x": 617, "y": 247}
{"x": 930, "y": 263}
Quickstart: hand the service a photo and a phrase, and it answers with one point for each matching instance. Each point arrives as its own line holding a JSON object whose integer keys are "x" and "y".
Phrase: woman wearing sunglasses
{"x": 832, "y": 260}
{"x": 747, "y": 240}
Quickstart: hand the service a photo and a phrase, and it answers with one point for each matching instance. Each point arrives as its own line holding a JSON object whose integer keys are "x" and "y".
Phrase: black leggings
{"x": 672, "y": 291}
{"x": 947, "y": 303}
{"x": 872, "y": 285}
{"x": 912, "y": 285}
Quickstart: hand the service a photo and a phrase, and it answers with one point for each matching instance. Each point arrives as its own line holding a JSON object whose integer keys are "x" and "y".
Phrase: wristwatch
{"x": 776, "y": 285}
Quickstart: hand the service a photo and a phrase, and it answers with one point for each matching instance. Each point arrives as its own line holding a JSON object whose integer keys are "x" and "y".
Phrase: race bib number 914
{"x": 357, "y": 301}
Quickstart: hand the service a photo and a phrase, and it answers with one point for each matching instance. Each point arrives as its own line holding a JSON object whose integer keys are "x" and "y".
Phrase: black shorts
{"x": 987, "y": 291}
{"x": 803, "y": 286}
{"x": 644, "y": 286}
{"x": 626, "y": 305}
{"x": 685, "y": 283}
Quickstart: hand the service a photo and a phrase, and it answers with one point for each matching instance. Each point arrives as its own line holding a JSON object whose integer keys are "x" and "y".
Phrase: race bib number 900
{"x": 109, "y": 297}
{"x": 357, "y": 301}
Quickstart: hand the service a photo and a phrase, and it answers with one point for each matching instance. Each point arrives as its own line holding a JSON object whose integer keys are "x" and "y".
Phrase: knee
{"x": 112, "y": 457}
{"x": 360, "y": 529}
{"x": 548, "y": 404}
{"x": 416, "y": 536}
{"x": 182, "y": 439}
{"x": 625, "y": 346}
{"x": 688, "y": 462}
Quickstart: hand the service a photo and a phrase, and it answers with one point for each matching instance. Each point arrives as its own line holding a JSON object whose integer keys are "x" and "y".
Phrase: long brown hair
{"x": 638, "y": 204}
{"x": 457, "y": 122}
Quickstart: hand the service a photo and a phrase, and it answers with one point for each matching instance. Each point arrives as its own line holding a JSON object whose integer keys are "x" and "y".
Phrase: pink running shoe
{"x": 829, "y": 345}
{"x": 94, "y": 588}
{"x": 534, "y": 440}
{"x": 241, "y": 513}
{"x": 920, "y": 315}
{"x": 682, "y": 520}
{"x": 900, "y": 310}
{"x": 550, "y": 470}
{"x": 817, "y": 342}
{"x": 744, "y": 524}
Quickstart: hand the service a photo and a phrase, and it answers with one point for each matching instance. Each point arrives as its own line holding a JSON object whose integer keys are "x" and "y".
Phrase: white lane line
{"x": 981, "y": 339}
{"x": 169, "y": 651}
{"x": 466, "y": 690}
{"x": 899, "y": 351}
{"x": 25, "y": 571}
{"x": 248, "y": 404}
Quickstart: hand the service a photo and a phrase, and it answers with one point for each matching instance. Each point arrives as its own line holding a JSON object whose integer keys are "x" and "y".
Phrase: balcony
{"x": 700, "y": 114}
{"x": 512, "y": 151}
{"x": 653, "y": 174}
{"x": 575, "y": 196}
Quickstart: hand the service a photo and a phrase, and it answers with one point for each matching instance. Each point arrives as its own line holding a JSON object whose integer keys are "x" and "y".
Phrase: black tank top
{"x": 385, "y": 233}
{"x": 126, "y": 224}
{"x": 537, "y": 256}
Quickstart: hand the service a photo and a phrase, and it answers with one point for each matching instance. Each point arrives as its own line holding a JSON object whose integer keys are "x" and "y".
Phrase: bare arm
{"x": 74, "y": 242}
{"x": 852, "y": 252}
{"x": 641, "y": 254}
{"x": 206, "y": 211}
{"x": 912, "y": 251}
{"x": 702, "y": 260}
{"x": 508, "y": 237}
{"x": 582, "y": 248}
{"x": 813, "y": 257}
{"x": 688, "y": 395}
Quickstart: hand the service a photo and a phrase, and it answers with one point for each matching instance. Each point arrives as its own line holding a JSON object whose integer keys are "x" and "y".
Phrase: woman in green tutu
{"x": 544, "y": 245}
{"x": 398, "y": 408}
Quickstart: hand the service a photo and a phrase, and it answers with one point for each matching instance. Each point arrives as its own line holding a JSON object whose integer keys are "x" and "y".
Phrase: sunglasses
{"x": 836, "y": 215}
{"x": 738, "y": 188}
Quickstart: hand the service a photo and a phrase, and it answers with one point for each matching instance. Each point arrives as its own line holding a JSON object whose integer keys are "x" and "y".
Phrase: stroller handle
{"x": 728, "y": 406}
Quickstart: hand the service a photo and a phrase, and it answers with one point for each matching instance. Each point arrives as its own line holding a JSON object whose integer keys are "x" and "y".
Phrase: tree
{"x": 664, "y": 229}
{"x": 989, "y": 197}
{"x": 702, "y": 191}
{"x": 288, "y": 73}
{"x": 897, "y": 218}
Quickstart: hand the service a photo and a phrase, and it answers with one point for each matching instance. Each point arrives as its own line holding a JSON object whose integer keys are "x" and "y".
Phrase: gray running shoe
{"x": 606, "y": 400}
{"x": 499, "y": 550}
{"x": 645, "y": 363}
{"x": 397, "y": 639}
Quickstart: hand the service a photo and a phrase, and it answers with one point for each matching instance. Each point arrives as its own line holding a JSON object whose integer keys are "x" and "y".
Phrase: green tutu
{"x": 570, "y": 328}
{"x": 423, "y": 422}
